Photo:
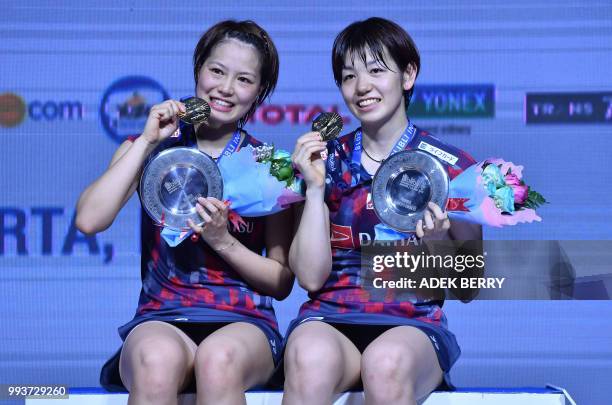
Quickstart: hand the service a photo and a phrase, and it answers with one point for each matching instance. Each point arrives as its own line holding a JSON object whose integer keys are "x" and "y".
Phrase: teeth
{"x": 222, "y": 102}
{"x": 367, "y": 102}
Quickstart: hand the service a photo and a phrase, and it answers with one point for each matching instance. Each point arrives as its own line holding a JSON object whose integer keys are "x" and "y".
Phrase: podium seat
{"x": 465, "y": 396}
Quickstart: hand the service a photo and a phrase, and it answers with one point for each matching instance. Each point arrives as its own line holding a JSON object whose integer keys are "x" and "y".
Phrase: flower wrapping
{"x": 257, "y": 186}
{"x": 493, "y": 193}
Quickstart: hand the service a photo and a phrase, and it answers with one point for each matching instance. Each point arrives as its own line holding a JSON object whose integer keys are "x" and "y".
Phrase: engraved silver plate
{"x": 404, "y": 184}
{"x": 172, "y": 182}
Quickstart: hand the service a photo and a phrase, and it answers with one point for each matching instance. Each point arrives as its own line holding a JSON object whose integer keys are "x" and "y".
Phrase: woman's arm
{"x": 310, "y": 256}
{"x": 101, "y": 201}
{"x": 465, "y": 240}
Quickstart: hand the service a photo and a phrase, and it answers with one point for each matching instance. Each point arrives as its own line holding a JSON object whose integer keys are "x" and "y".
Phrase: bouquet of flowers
{"x": 259, "y": 181}
{"x": 492, "y": 192}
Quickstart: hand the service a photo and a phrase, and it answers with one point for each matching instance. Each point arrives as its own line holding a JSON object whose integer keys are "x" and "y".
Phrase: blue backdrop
{"x": 527, "y": 80}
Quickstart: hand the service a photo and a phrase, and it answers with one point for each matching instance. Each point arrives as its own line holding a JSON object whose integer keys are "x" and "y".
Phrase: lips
{"x": 220, "y": 104}
{"x": 368, "y": 102}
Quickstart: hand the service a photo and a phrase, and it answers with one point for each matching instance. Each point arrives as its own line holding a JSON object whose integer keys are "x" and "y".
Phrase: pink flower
{"x": 521, "y": 193}
{"x": 512, "y": 179}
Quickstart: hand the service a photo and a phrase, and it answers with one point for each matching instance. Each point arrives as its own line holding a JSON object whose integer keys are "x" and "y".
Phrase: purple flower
{"x": 512, "y": 179}
{"x": 521, "y": 192}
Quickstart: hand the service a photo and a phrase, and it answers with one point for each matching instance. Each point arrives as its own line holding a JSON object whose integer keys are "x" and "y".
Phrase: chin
{"x": 372, "y": 118}
{"x": 222, "y": 120}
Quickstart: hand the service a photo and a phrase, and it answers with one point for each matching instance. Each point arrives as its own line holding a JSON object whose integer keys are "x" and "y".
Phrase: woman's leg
{"x": 320, "y": 362}
{"x": 231, "y": 360}
{"x": 156, "y": 363}
{"x": 400, "y": 366}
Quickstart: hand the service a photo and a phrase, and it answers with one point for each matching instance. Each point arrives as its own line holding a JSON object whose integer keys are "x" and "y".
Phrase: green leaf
{"x": 534, "y": 199}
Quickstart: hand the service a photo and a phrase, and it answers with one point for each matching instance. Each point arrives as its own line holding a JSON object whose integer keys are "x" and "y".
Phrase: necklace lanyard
{"x": 355, "y": 165}
{"x": 230, "y": 147}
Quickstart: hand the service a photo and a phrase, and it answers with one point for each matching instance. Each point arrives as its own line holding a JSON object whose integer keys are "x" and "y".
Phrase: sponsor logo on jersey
{"x": 342, "y": 237}
{"x": 439, "y": 153}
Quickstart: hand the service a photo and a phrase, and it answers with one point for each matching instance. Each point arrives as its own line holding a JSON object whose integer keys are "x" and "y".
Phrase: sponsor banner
{"x": 568, "y": 108}
{"x": 41, "y": 231}
{"x": 126, "y": 104}
{"x": 293, "y": 114}
{"x": 453, "y": 101}
{"x": 14, "y": 110}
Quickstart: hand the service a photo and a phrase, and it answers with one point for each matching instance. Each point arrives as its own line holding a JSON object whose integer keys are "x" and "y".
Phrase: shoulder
{"x": 166, "y": 144}
{"x": 250, "y": 140}
{"x": 446, "y": 152}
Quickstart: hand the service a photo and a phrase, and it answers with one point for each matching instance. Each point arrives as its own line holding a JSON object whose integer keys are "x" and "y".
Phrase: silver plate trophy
{"x": 172, "y": 182}
{"x": 404, "y": 184}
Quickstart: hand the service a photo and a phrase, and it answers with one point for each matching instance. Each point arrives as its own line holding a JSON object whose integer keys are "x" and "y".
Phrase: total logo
{"x": 126, "y": 104}
{"x": 14, "y": 110}
{"x": 294, "y": 114}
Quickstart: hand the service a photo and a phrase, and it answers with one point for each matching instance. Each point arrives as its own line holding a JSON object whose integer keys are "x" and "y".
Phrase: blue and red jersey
{"x": 353, "y": 221}
{"x": 192, "y": 282}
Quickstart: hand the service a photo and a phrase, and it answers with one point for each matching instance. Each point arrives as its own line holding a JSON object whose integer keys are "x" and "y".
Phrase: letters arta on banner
{"x": 36, "y": 231}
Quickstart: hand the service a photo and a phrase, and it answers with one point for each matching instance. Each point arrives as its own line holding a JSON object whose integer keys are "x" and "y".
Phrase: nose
{"x": 226, "y": 86}
{"x": 363, "y": 85}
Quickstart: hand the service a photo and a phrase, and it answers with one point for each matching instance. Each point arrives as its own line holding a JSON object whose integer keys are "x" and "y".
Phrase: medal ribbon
{"x": 230, "y": 147}
{"x": 400, "y": 145}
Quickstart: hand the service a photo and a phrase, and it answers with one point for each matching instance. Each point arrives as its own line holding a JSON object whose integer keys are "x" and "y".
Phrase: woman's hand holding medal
{"x": 307, "y": 159}
{"x": 311, "y": 148}
{"x": 163, "y": 121}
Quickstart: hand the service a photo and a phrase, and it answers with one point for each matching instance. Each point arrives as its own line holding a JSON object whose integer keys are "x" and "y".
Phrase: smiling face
{"x": 374, "y": 91}
{"x": 230, "y": 80}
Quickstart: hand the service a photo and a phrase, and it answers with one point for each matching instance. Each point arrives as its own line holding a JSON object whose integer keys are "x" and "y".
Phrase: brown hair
{"x": 250, "y": 33}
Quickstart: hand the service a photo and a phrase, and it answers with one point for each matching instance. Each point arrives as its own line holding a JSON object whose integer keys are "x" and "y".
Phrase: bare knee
{"x": 219, "y": 365}
{"x": 388, "y": 373}
{"x": 158, "y": 367}
{"x": 312, "y": 364}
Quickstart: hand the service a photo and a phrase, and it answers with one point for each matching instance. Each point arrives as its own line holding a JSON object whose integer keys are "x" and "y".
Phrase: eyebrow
{"x": 225, "y": 67}
{"x": 370, "y": 63}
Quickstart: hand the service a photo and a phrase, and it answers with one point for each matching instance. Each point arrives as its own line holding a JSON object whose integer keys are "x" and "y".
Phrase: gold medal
{"x": 197, "y": 112}
{"x": 328, "y": 124}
